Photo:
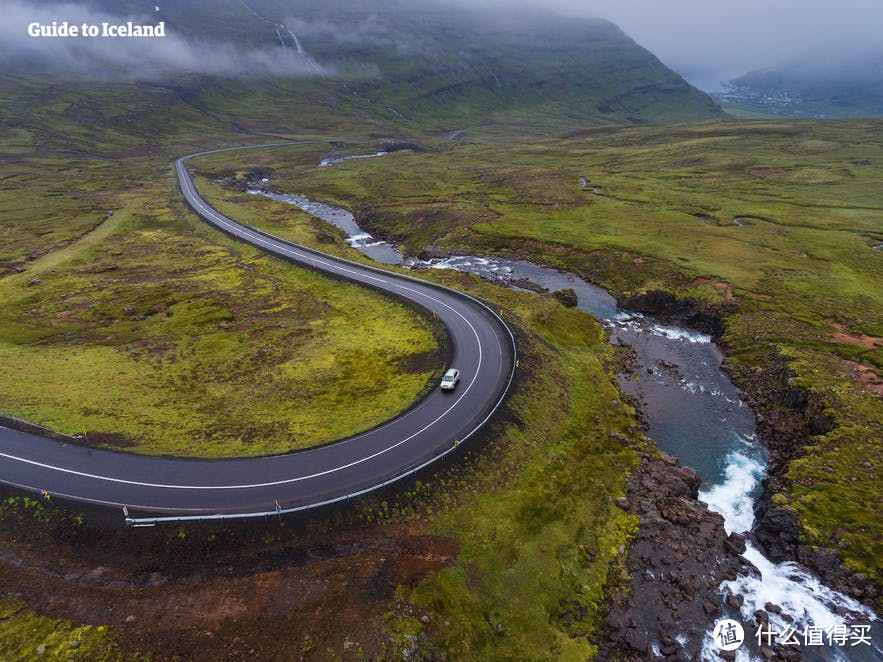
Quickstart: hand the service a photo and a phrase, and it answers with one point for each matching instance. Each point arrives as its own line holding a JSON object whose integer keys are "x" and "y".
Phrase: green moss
{"x": 844, "y": 463}
{"x": 538, "y": 533}
{"x": 159, "y": 335}
{"x": 783, "y": 216}
{"x": 26, "y": 636}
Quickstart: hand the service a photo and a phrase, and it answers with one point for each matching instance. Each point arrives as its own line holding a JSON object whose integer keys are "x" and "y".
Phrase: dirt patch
{"x": 109, "y": 440}
{"x": 269, "y": 592}
{"x": 866, "y": 376}
{"x": 868, "y": 342}
{"x": 421, "y": 362}
{"x": 855, "y": 339}
{"x": 724, "y": 288}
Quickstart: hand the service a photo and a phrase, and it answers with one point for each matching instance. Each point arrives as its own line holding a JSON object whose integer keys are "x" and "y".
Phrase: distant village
{"x": 768, "y": 102}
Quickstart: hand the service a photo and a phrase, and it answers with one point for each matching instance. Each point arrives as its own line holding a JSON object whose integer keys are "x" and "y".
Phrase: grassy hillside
{"x": 387, "y": 66}
{"x": 505, "y": 554}
{"x": 780, "y": 222}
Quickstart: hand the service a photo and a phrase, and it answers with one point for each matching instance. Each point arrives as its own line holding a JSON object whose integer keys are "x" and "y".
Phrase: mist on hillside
{"x": 137, "y": 59}
{"x": 707, "y": 42}
{"x": 246, "y": 38}
{"x": 710, "y": 42}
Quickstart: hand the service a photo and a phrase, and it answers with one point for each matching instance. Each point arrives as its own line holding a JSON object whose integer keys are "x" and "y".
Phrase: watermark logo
{"x": 728, "y": 635}
{"x": 838, "y": 635}
{"x": 66, "y": 29}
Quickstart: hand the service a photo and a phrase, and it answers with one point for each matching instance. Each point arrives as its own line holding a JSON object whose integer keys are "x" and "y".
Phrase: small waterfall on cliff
{"x": 281, "y": 31}
{"x": 311, "y": 62}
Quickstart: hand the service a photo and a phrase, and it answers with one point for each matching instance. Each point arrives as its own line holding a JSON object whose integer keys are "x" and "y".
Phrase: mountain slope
{"x": 382, "y": 63}
{"x": 452, "y": 63}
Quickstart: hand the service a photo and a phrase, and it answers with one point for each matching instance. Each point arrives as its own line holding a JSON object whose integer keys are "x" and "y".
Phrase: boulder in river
{"x": 566, "y": 297}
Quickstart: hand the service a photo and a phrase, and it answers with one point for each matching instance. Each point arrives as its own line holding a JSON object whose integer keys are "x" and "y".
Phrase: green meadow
{"x": 145, "y": 330}
{"x": 780, "y": 221}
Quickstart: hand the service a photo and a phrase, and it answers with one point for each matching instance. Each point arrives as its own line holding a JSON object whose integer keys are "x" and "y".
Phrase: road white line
{"x": 236, "y": 228}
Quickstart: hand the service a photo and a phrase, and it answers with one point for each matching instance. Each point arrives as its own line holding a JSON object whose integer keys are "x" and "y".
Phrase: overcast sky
{"x": 712, "y": 40}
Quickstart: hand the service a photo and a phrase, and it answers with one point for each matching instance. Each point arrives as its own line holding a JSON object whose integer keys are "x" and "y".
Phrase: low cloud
{"x": 370, "y": 30}
{"x": 713, "y": 41}
{"x": 133, "y": 58}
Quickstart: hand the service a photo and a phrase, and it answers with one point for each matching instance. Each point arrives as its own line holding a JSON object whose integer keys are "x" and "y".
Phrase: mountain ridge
{"x": 426, "y": 67}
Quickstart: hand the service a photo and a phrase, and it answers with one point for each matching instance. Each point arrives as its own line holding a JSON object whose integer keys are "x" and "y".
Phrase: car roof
{"x": 451, "y": 372}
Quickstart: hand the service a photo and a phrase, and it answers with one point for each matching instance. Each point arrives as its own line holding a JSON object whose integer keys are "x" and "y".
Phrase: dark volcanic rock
{"x": 566, "y": 297}
{"x": 780, "y": 533}
{"x": 432, "y": 252}
{"x": 665, "y": 306}
{"x": 788, "y": 419}
{"x": 677, "y": 562}
{"x": 400, "y": 146}
{"x": 526, "y": 284}
{"x": 256, "y": 176}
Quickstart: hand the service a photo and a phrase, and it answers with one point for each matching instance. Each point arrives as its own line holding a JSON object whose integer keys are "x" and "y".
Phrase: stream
{"x": 693, "y": 412}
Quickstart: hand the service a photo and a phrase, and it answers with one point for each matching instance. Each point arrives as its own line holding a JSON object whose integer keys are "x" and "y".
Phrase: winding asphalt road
{"x": 154, "y": 489}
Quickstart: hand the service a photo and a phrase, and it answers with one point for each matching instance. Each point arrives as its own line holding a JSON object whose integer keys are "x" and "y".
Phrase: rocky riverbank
{"x": 788, "y": 420}
{"x": 677, "y": 562}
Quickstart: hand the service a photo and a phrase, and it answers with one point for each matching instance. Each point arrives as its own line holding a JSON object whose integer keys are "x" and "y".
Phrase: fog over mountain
{"x": 132, "y": 58}
{"x": 706, "y": 42}
{"x": 710, "y": 41}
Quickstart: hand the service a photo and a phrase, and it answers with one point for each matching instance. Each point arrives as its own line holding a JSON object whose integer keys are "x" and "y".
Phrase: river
{"x": 693, "y": 412}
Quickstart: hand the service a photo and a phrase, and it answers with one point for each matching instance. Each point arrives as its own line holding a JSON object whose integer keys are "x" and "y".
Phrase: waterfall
{"x": 281, "y": 29}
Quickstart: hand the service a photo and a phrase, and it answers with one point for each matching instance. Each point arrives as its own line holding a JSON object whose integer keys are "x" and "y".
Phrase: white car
{"x": 450, "y": 379}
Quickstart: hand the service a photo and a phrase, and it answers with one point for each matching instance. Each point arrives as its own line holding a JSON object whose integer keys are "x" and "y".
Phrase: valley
{"x": 694, "y": 429}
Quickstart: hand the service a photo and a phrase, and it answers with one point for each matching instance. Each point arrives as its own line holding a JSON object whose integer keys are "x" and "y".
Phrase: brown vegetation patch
{"x": 420, "y": 362}
{"x": 111, "y": 439}
{"x": 866, "y": 376}
{"x": 855, "y": 339}
{"x": 724, "y": 288}
{"x": 268, "y": 592}
{"x": 859, "y": 340}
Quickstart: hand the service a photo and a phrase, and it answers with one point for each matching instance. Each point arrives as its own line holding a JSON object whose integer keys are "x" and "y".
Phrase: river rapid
{"x": 693, "y": 412}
